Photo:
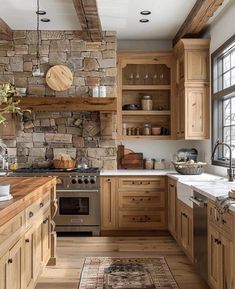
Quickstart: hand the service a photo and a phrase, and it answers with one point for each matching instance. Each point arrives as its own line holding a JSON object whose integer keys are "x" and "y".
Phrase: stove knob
{"x": 73, "y": 181}
{"x": 93, "y": 181}
{"x": 86, "y": 181}
{"x": 80, "y": 181}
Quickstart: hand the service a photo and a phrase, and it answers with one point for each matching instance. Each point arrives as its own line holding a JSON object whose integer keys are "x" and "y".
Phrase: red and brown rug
{"x": 126, "y": 273}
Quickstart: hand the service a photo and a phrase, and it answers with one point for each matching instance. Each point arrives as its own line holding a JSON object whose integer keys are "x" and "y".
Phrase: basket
{"x": 192, "y": 169}
{"x": 64, "y": 164}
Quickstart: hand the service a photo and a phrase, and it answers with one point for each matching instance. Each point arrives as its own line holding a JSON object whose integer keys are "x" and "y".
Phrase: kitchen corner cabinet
{"x": 192, "y": 89}
{"x": 8, "y": 128}
{"x": 141, "y": 74}
{"x": 108, "y": 203}
{"x": 185, "y": 228}
{"x": 220, "y": 249}
{"x": 172, "y": 207}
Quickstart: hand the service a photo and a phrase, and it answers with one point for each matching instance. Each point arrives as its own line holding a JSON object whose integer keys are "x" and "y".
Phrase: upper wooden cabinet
{"x": 192, "y": 89}
{"x": 141, "y": 74}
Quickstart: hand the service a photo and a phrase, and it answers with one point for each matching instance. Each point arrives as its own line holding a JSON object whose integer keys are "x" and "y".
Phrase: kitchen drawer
{"x": 141, "y": 200}
{"x": 149, "y": 220}
{"x": 11, "y": 227}
{"x": 224, "y": 222}
{"x": 142, "y": 183}
{"x": 37, "y": 207}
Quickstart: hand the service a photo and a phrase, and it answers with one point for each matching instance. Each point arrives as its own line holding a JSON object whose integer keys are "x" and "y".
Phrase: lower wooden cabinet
{"x": 133, "y": 203}
{"x": 29, "y": 258}
{"x": 185, "y": 228}
{"x": 172, "y": 207}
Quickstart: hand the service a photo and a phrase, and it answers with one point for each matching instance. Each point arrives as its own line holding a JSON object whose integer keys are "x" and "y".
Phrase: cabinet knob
{"x": 223, "y": 221}
{"x": 45, "y": 221}
{"x": 108, "y": 180}
{"x": 30, "y": 214}
{"x": 26, "y": 240}
{"x": 41, "y": 205}
{"x": 133, "y": 199}
{"x": 172, "y": 186}
{"x": 10, "y": 261}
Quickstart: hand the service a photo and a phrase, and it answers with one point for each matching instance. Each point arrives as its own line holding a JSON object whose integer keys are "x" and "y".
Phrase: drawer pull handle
{"x": 41, "y": 205}
{"x": 30, "y": 214}
{"x": 10, "y": 261}
{"x": 141, "y": 200}
{"x": 133, "y": 199}
{"x": 26, "y": 240}
{"x": 45, "y": 221}
{"x": 223, "y": 221}
{"x": 172, "y": 186}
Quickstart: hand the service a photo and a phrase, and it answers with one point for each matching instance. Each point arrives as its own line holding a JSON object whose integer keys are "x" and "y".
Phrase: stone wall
{"x": 41, "y": 135}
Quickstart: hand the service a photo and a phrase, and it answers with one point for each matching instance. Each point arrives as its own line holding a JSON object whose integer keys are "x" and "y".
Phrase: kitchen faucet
{"x": 230, "y": 170}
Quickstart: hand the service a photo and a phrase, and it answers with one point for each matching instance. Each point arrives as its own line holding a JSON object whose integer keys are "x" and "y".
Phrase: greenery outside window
{"x": 223, "y": 100}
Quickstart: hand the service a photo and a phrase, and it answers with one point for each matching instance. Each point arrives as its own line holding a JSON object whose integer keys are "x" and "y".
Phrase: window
{"x": 223, "y": 100}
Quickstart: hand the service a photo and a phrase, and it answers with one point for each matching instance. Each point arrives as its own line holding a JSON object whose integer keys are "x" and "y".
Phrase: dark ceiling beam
{"x": 89, "y": 19}
{"x": 197, "y": 19}
{"x": 5, "y": 31}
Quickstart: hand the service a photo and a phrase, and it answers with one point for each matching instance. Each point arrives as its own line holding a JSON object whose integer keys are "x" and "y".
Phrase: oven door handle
{"x": 77, "y": 191}
{"x": 199, "y": 203}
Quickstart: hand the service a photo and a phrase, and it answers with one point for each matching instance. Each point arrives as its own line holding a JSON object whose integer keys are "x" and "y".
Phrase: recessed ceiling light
{"x": 45, "y": 20}
{"x": 144, "y": 20}
{"x": 145, "y": 12}
{"x": 41, "y": 12}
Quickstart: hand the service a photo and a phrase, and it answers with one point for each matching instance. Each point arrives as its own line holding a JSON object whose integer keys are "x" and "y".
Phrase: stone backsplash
{"x": 92, "y": 63}
{"x": 43, "y": 135}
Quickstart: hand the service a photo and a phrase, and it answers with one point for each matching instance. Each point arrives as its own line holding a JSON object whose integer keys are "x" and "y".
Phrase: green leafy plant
{"x": 7, "y": 101}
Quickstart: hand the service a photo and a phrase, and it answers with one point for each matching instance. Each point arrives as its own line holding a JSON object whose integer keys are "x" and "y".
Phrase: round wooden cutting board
{"x": 59, "y": 77}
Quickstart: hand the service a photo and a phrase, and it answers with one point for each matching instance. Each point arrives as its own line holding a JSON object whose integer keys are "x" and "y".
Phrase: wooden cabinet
{"x": 220, "y": 249}
{"x": 192, "y": 89}
{"x": 108, "y": 203}
{"x": 8, "y": 128}
{"x": 46, "y": 238}
{"x": 172, "y": 207}
{"x": 185, "y": 228}
{"x": 141, "y": 74}
{"x": 29, "y": 258}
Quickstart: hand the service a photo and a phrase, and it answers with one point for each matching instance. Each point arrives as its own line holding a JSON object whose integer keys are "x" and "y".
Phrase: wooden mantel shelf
{"x": 68, "y": 103}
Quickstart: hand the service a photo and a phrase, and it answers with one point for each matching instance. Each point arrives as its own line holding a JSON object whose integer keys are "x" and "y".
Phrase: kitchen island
{"x": 27, "y": 237}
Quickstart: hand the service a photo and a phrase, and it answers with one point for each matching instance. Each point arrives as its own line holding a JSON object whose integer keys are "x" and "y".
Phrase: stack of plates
{"x": 5, "y": 192}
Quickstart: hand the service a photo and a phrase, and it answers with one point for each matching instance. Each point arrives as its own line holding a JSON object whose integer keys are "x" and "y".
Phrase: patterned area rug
{"x": 126, "y": 273}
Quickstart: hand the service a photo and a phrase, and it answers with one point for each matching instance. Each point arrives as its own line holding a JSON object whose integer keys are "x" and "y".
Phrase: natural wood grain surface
{"x": 68, "y": 103}
{"x": 24, "y": 191}
{"x": 59, "y": 77}
{"x": 72, "y": 252}
{"x": 5, "y": 31}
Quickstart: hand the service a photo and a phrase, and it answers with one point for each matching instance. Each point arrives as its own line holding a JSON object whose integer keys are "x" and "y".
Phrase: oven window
{"x": 74, "y": 206}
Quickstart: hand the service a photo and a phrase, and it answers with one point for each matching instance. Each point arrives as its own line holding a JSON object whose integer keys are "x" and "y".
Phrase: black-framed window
{"x": 223, "y": 100}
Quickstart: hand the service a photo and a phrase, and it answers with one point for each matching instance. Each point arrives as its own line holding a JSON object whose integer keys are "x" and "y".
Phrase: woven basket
{"x": 194, "y": 169}
{"x": 61, "y": 164}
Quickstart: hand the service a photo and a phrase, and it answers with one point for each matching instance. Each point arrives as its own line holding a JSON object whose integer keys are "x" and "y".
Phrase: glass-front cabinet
{"x": 145, "y": 89}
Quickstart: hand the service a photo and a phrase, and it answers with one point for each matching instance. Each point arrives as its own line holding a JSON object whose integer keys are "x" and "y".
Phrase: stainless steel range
{"x": 78, "y": 197}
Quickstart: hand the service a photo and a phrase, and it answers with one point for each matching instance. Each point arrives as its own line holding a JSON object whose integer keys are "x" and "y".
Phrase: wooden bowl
{"x": 61, "y": 164}
{"x": 156, "y": 130}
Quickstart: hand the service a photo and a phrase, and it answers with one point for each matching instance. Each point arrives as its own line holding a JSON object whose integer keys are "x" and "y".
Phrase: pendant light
{"x": 36, "y": 68}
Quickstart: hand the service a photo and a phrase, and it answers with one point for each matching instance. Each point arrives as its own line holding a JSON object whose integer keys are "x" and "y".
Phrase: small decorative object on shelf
{"x": 8, "y": 104}
{"x": 146, "y": 102}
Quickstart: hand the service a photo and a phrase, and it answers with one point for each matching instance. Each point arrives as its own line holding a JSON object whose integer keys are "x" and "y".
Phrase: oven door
{"x": 76, "y": 208}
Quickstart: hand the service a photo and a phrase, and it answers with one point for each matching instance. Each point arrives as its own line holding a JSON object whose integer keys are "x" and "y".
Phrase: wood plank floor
{"x": 71, "y": 252}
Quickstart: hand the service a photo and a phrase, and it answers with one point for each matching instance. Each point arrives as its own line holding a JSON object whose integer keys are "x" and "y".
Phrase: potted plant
{"x": 7, "y": 101}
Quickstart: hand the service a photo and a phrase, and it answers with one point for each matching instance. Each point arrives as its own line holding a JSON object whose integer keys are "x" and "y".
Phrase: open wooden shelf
{"x": 68, "y": 103}
{"x": 146, "y": 112}
{"x": 146, "y": 87}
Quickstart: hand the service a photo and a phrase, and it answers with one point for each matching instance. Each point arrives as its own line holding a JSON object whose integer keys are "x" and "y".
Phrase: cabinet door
{"x": 38, "y": 251}
{"x": 226, "y": 263}
{"x": 15, "y": 267}
{"x": 213, "y": 258}
{"x": 197, "y": 112}
{"x": 180, "y": 113}
{"x": 29, "y": 257}
{"x": 108, "y": 203}
{"x": 46, "y": 240}
{"x": 8, "y": 130}
{"x": 172, "y": 198}
{"x": 3, "y": 271}
{"x": 197, "y": 65}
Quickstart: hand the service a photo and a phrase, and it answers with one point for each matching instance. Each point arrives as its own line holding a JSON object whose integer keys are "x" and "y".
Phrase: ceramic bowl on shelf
{"x": 130, "y": 106}
{"x": 156, "y": 130}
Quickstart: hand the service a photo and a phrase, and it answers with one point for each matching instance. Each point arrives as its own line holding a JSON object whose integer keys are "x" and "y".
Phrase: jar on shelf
{"x": 146, "y": 129}
{"x": 159, "y": 164}
{"x": 147, "y": 102}
{"x": 149, "y": 164}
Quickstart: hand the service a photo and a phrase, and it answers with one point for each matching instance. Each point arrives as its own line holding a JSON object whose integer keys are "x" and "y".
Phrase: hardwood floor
{"x": 71, "y": 252}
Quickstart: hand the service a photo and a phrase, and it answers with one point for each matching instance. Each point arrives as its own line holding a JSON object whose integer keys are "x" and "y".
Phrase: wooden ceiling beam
{"x": 5, "y": 31}
{"x": 197, "y": 19}
{"x": 87, "y": 12}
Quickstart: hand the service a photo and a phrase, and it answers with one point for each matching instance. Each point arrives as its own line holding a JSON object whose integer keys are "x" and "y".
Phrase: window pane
{"x": 233, "y": 76}
{"x": 233, "y": 59}
{"x": 226, "y": 63}
{"x": 233, "y": 135}
{"x": 226, "y": 80}
{"x": 232, "y": 111}
{"x": 226, "y": 112}
{"x": 226, "y": 135}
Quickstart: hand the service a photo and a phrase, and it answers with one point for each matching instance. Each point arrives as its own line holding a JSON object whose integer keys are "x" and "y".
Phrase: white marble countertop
{"x": 136, "y": 172}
